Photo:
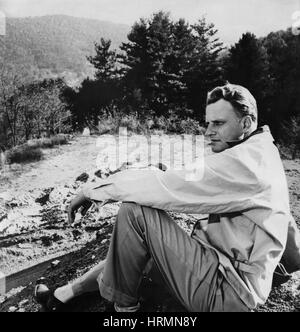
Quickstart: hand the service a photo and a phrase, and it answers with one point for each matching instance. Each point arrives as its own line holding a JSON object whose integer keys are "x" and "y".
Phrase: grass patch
{"x": 24, "y": 153}
{"x": 32, "y": 150}
{"x": 48, "y": 143}
{"x": 42, "y": 143}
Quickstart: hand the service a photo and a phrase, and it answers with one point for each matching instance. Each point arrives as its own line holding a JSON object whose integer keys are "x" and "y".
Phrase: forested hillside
{"x": 56, "y": 45}
{"x": 153, "y": 75}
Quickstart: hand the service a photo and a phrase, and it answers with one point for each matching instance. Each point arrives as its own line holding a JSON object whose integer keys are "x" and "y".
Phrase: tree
{"x": 171, "y": 64}
{"x": 283, "y": 50}
{"x": 94, "y": 96}
{"x": 247, "y": 64}
{"x": 105, "y": 61}
{"x": 204, "y": 72}
{"x": 12, "y": 81}
{"x": 49, "y": 111}
{"x": 91, "y": 101}
{"x": 30, "y": 108}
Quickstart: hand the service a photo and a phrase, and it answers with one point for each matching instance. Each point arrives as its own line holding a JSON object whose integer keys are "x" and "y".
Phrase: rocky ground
{"x": 33, "y": 226}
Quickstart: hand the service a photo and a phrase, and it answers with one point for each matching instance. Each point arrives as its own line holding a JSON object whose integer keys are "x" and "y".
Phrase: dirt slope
{"x": 33, "y": 226}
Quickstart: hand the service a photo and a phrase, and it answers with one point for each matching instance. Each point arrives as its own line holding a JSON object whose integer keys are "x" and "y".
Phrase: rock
{"x": 99, "y": 173}
{"x": 12, "y": 309}
{"x": 55, "y": 264}
{"x": 24, "y": 302}
{"x": 46, "y": 240}
{"x": 83, "y": 177}
{"x": 76, "y": 233}
{"x": 25, "y": 246}
{"x": 86, "y": 132}
{"x": 98, "y": 235}
{"x": 56, "y": 237}
{"x": 44, "y": 198}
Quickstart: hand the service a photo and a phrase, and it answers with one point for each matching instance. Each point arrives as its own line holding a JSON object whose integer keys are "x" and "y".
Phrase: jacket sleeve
{"x": 223, "y": 183}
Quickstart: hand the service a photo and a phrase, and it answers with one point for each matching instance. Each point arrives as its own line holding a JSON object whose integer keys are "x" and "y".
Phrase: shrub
{"x": 107, "y": 126}
{"x": 174, "y": 124}
{"x": 290, "y": 136}
{"x": 171, "y": 124}
{"x": 285, "y": 151}
{"x": 59, "y": 139}
{"x": 190, "y": 126}
{"x": 43, "y": 143}
{"x": 24, "y": 153}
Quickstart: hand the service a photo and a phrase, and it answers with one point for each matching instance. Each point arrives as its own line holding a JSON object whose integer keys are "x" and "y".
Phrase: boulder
{"x": 44, "y": 198}
{"x": 86, "y": 132}
{"x": 82, "y": 177}
{"x": 55, "y": 263}
{"x": 99, "y": 173}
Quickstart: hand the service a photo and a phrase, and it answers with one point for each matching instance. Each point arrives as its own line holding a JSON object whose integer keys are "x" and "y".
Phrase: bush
{"x": 111, "y": 124}
{"x": 107, "y": 126}
{"x": 190, "y": 126}
{"x": 43, "y": 143}
{"x": 59, "y": 140}
{"x": 173, "y": 124}
{"x": 290, "y": 136}
{"x": 24, "y": 153}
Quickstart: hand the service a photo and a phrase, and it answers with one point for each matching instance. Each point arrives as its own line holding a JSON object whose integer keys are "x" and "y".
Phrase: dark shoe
{"x": 45, "y": 297}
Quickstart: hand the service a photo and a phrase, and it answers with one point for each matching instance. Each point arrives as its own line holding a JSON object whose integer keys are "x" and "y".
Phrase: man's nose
{"x": 209, "y": 131}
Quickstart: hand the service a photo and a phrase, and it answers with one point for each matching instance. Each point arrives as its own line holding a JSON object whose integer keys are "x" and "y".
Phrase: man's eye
{"x": 214, "y": 124}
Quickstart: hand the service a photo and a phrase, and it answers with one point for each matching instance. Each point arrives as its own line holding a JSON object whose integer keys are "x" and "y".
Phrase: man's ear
{"x": 247, "y": 123}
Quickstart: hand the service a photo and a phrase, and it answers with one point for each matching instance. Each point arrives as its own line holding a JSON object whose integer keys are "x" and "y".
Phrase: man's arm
{"x": 227, "y": 185}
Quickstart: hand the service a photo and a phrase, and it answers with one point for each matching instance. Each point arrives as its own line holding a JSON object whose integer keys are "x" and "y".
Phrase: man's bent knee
{"x": 127, "y": 208}
{"x": 129, "y": 212}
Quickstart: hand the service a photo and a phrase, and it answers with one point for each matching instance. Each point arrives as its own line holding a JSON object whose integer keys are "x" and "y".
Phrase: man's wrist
{"x": 85, "y": 194}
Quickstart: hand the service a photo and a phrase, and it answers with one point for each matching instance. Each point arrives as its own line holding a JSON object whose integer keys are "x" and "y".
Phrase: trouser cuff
{"x": 113, "y": 295}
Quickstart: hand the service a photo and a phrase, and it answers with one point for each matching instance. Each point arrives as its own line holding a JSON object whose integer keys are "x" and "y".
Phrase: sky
{"x": 231, "y": 17}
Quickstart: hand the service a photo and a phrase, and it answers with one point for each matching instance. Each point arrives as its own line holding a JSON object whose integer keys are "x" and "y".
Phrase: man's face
{"x": 224, "y": 125}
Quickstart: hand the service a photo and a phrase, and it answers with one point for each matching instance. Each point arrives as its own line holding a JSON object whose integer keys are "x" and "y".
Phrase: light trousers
{"x": 190, "y": 270}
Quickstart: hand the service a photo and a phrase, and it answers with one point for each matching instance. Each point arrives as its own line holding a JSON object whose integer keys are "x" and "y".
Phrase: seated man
{"x": 226, "y": 266}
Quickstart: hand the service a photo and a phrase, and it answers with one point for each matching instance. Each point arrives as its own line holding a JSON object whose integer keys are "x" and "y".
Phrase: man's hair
{"x": 239, "y": 97}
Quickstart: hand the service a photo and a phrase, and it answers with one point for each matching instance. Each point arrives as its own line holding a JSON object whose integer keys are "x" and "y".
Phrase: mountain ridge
{"x": 57, "y": 45}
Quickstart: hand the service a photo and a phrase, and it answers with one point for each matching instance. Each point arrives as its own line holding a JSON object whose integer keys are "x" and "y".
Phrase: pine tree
{"x": 247, "y": 65}
{"x": 283, "y": 50}
{"x": 105, "y": 61}
{"x": 171, "y": 65}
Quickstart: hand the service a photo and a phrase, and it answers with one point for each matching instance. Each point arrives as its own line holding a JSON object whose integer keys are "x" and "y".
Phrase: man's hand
{"x": 79, "y": 201}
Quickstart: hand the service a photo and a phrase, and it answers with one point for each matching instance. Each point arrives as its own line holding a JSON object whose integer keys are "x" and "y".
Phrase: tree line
{"x": 30, "y": 108}
{"x": 164, "y": 71}
{"x": 167, "y": 67}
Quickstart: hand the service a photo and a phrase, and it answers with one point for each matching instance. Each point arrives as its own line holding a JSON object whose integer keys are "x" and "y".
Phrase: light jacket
{"x": 244, "y": 190}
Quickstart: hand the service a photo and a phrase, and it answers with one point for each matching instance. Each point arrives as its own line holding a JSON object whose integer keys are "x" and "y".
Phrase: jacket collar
{"x": 259, "y": 130}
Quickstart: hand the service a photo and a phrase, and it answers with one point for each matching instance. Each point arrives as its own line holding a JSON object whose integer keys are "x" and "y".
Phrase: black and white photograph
{"x": 150, "y": 158}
